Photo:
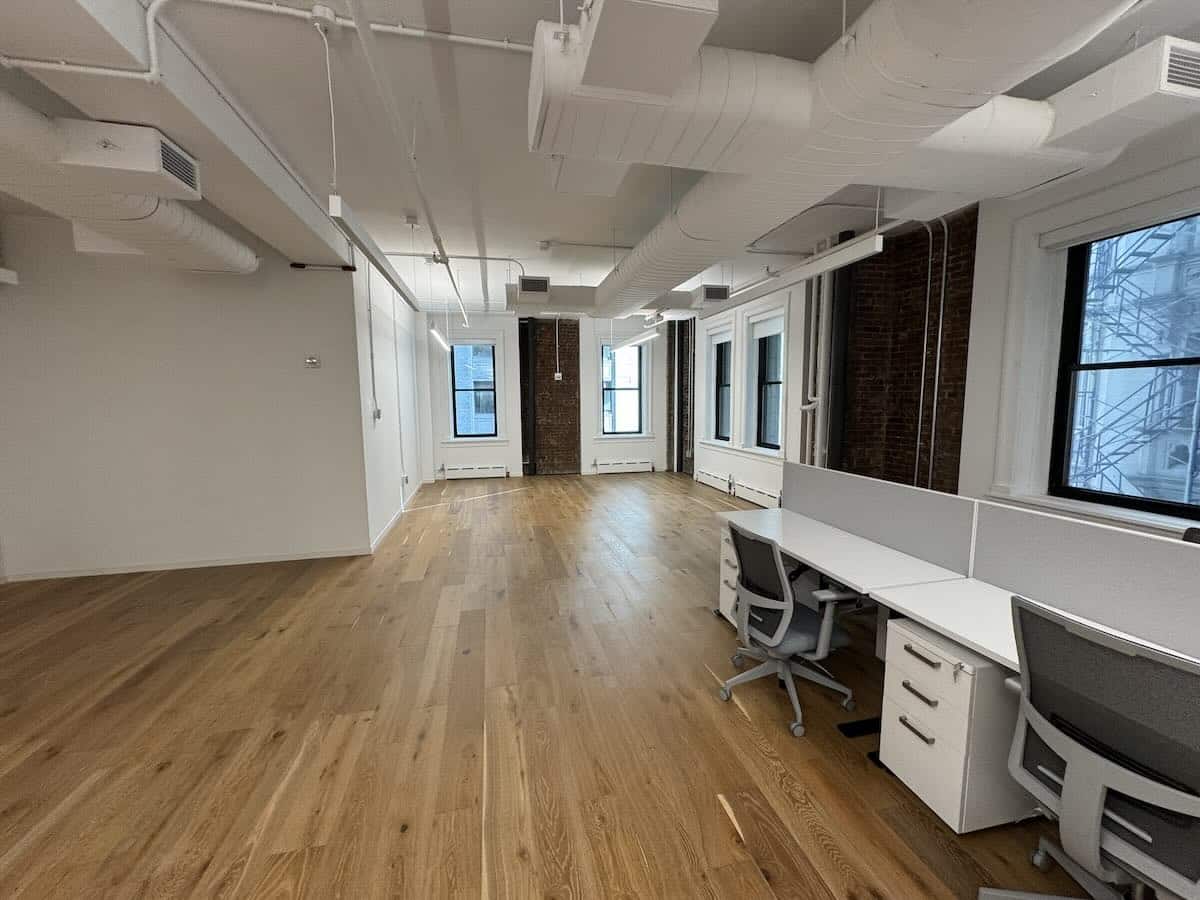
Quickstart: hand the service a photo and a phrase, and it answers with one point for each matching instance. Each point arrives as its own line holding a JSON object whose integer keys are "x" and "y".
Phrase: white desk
{"x": 854, "y": 561}
{"x": 973, "y": 613}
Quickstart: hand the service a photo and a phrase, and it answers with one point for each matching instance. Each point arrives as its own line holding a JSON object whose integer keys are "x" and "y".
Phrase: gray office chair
{"x": 1192, "y": 535}
{"x": 1108, "y": 742}
{"x": 777, "y": 623}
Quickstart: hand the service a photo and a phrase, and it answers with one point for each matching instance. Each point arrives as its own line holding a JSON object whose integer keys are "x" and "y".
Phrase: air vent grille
{"x": 178, "y": 164}
{"x": 534, "y": 284}
{"x": 716, "y": 293}
{"x": 1183, "y": 68}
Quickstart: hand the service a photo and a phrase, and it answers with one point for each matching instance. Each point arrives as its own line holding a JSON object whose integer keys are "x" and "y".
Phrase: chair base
{"x": 785, "y": 670}
{"x": 1041, "y": 858}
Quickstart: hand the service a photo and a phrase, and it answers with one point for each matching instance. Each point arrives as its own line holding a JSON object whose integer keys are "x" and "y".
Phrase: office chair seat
{"x": 803, "y": 633}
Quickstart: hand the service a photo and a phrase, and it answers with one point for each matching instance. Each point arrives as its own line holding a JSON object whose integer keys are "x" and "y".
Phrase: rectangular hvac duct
{"x": 129, "y": 159}
{"x": 591, "y": 177}
{"x": 643, "y": 46}
{"x": 1152, "y": 87}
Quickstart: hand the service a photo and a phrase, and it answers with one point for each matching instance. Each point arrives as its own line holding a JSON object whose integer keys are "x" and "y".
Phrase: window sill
{"x": 1151, "y": 523}
{"x": 641, "y": 436}
{"x": 456, "y": 442}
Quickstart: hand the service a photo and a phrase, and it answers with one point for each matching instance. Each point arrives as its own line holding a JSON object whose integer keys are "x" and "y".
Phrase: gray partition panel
{"x": 1143, "y": 585}
{"x": 929, "y": 525}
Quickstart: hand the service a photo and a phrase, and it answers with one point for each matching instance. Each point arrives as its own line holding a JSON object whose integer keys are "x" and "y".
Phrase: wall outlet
{"x": 558, "y": 376}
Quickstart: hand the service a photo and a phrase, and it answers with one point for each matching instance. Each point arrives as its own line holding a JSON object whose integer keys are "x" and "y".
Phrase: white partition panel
{"x": 929, "y": 525}
{"x": 1141, "y": 584}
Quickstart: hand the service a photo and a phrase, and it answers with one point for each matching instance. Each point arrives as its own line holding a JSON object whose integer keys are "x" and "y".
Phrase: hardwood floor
{"x": 515, "y": 697}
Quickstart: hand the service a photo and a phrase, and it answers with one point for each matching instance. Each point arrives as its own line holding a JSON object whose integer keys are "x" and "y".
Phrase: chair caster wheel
{"x": 724, "y": 694}
{"x": 849, "y": 705}
{"x": 737, "y": 660}
{"x": 1042, "y": 861}
{"x": 796, "y": 729}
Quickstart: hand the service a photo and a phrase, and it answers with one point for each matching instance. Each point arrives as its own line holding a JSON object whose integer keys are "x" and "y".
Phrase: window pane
{"x": 771, "y": 349}
{"x": 770, "y": 414}
{"x": 474, "y": 413}
{"x": 474, "y": 366}
{"x": 722, "y": 362}
{"x": 623, "y": 371}
{"x": 724, "y": 395}
{"x": 1133, "y": 432}
{"x": 609, "y": 425}
{"x": 628, "y": 409}
{"x": 1142, "y": 297}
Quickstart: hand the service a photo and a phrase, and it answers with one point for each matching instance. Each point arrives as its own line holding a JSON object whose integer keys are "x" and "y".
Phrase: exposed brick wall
{"x": 556, "y": 403}
{"x": 884, "y": 356}
{"x": 679, "y": 349}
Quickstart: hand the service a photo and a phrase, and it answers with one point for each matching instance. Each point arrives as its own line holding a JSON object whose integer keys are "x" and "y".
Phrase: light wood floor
{"x": 515, "y": 697}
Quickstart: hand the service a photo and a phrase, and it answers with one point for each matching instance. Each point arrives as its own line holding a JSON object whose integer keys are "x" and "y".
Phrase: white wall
{"x": 390, "y": 445}
{"x": 593, "y": 444}
{"x": 154, "y": 418}
{"x": 1016, "y": 317}
{"x": 757, "y": 472}
{"x": 445, "y": 449}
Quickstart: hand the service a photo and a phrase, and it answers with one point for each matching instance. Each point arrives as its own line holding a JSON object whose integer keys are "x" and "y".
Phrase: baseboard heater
{"x": 609, "y": 466}
{"x": 714, "y": 480}
{"x": 755, "y": 495}
{"x": 479, "y": 471}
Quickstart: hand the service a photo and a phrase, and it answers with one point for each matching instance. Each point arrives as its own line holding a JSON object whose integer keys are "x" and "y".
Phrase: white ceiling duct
{"x": 907, "y": 69}
{"x": 32, "y": 148}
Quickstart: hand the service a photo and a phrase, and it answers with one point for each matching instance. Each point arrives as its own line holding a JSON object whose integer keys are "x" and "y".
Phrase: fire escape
{"x": 1125, "y": 321}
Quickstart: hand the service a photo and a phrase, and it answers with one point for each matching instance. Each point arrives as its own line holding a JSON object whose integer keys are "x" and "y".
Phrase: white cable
{"x": 332, "y": 118}
{"x": 557, "y": 364}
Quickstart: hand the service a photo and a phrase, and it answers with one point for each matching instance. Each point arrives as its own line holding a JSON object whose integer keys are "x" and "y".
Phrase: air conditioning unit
{"x": 129, "y": 159}
{"x": 534, "y": 287}
{"x": 1154, "y": 86}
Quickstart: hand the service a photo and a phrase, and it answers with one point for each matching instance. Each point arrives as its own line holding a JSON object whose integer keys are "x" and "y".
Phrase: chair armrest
{"x": 831, "y": 595}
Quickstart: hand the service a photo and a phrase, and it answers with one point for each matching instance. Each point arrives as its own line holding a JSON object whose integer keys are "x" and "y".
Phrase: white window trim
{"x": 647, "y": 432}
{"x": 1036, "y": 294}
{"x": 720, "y": 333}
{"x": 776, "y": 313}
{"x": 498, "y": 361}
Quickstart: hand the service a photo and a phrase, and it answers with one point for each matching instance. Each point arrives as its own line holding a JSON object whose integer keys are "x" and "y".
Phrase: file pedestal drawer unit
{"x": 947, "y": 725}
{"x": 727, "y": 588}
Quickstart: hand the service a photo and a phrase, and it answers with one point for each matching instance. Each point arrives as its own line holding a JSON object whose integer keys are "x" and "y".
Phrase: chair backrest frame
{"x": 1089, "y": 775}
{"x": 749, "y": 599}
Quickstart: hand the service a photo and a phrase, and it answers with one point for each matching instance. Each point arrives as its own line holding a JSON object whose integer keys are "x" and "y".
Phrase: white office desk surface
{"x": 856, "y": 562}
{"x": 973, "y": 613}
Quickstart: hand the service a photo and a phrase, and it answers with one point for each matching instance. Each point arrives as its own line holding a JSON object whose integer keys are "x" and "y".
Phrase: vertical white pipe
{"x": 937, "y": 365}
{"x": 824, "y": 339}
{"x": 924, "y": 356}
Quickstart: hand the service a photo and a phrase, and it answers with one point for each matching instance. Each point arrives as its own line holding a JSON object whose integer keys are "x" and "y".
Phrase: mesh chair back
{"x": 1126, "y": 702}
{"x": 763, "y": 590}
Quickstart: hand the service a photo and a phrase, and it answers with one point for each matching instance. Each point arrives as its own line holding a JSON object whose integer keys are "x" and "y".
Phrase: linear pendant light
{"x": 437, "y": 336}
{"x": 836, "y": 257}
{"x": 637, "y": 339}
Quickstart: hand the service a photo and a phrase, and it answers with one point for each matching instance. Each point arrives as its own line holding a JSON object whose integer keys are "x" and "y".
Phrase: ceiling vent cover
{"x": 1183, "y": 68}
{"x": 535, "y": 284}
{"x": 716, "y": 293}
{"x": 177, "y": 163}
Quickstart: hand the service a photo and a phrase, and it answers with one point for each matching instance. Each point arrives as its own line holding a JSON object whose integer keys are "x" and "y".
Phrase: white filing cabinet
{"x": 948, "y": 723}
{"x": 728, "y": 576}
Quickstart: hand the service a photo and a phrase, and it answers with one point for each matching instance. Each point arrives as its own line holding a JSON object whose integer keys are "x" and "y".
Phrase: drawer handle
{"x": 932, "y": 663}
{"x": 909, "y": 725}
{"x": 907, "y": 685}
{"x": 725, "y": 581}
{"x": 729, "y": 564}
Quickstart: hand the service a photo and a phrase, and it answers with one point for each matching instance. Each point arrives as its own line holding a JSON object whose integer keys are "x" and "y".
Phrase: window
{"x": 621, "y": 390}
{"x": 722, "y": 389}
{"x": 770, "y": 390}
{"x": 1127, "y": 417}
{"x": 473, "y": 388}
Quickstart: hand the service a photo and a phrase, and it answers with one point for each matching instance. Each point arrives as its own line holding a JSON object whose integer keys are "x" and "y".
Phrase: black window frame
{"x": 1078, "y": 259}
{"x": 763, "y": 384}
{"x": 455, "y": 390}
{"x": 719, "y": 386}
{"x": 606, "y": 390}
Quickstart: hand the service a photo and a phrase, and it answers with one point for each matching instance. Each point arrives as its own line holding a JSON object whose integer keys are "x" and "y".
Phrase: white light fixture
{"x": 636, "y": 340}
{"x": 437, "y": 336}
{"x": 358, "y": 236}
{"x": 843, "y": 254}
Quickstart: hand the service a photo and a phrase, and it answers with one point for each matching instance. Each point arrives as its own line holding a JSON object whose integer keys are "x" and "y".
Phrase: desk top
{"x": 856, "y": 562}
{"x": 973, "y": 613}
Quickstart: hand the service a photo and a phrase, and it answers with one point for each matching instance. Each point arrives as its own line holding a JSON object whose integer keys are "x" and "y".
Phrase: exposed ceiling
{"x": 468, "y": 105}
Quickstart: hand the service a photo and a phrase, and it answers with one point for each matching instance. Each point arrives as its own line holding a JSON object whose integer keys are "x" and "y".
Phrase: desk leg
{"x": 882, "y": 614}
